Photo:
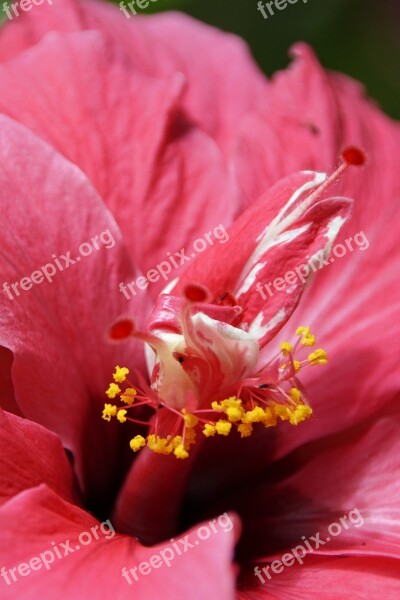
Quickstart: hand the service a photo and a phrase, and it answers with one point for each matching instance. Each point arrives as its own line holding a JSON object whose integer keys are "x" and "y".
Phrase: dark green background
{"x": 359, "y": 37}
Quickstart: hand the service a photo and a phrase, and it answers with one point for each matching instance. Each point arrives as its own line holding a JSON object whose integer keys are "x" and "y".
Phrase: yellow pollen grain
{"x": 190, "y": 437}
{"x": 120, "y": 374}
{"x": 281, "y": 411}
{"x": 128, "y": 396}
{"x": 296, "y": 365}
{"x": 302, "y": 331}
{"x": 301, "y": 413}
{"x": 234, "y": 414}
{"x": 295, "y": 394}
{"x": 216, "y": 406}
{"x": 159, "y": 445}
{"x": 318, "y": 357}
{"x": 209, "y": 430}
{"x": 121, "y": 415}
{"x": 137, "y": 443}
{"x": 180, "y": 452}
{"x": 113, "y": 390}
{"x": 223, "y": 427}
{"x": 190, "y": 420}
{"x": 286, "y": 348}
{"x": 245, "y": 429}
{"x": 257, "y": 415}
{"x": 308, "y": 340}
{"x": 110, "y": 410}
{"x": 270, "y": 419}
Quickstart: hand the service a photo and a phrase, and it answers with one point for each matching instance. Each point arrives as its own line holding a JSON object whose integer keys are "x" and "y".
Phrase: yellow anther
{"x": 128, "y": 396}
{"x": 180, "y": 452}
{"x": 190, "y": 437}
{"x": 245, "y": 429}
{"x": 232, "y": 407}
{"x": 121, "y": 415}
{"x": 216, "y": 406}
{"x": 110, "y": 410}
{"x": 303, "y": 331}
{"x": 296, "y": 365}
{"x": 286, "y": 348}
{"x": 223, "y": 427}
{"x": 176, "y": 441}
{"x": 318, "y": 357}
{"x": 270, "y": 419}
{"x": 234, "y": 414}
{"x": 190, "y": 420}
{"x": 137, "y": 443}
{"x": 120, "y": 374}
{"x": 159, "y": 445}
{"x": 113, "y": 390}
{"x": 301, "y": 413}
{"x": 295, "y": 394}
{"x": 281, "y": 411}
{"x": 209, "y": 430}
{"x": 308, "y": 340}
{"x": 257, "y": 415}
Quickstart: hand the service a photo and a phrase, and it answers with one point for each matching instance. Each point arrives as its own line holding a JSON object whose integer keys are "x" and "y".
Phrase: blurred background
{"x": 358, "y": 37}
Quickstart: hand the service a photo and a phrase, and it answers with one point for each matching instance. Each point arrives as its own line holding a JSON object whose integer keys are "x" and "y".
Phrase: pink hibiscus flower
{"x": 122, "y": 143}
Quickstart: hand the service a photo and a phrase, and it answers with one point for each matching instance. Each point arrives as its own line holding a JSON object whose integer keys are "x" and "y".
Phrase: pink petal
{"x": 327, "y": 578}
{"x": 354, "y": 475}
{"x": 139, "y": 151}
{"x": 56, "y": 331}
{"x": 216, "y": 66}
{"x": 300, "y": 126}
{"x": 213, "y": 63}
{"x": 31, "y": 455}
{"x": 97, "y": 564}
{"x": 274, "y": 236}
{"x": 29, "y": 27}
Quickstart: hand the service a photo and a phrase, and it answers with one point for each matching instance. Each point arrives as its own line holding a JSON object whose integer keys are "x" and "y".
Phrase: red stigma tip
{"x": 121, "y": 330}
{"x": 194, "y": 292}
{"x": 354, "y": 156}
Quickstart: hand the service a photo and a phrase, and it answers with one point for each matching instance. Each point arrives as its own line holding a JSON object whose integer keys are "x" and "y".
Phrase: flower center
{"x": 205, "y": 373}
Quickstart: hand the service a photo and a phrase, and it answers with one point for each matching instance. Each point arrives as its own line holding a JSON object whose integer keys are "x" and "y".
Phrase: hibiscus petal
{"x": 214, "y": 63}
{"x": 31, "y": 455}
{"x": 139, "y": 150}
{"x": 354, "y": 476}
{"x": 56, "y": 329}
{"x": 275, "y": 236}
{"x": 217, "y": 66}
{"x": 328, "y": 578}
{"x": 50, "y": 524}
{"x": 305, "y": 124}
{"x": 29, "y": 28}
